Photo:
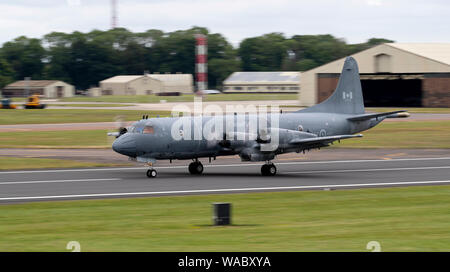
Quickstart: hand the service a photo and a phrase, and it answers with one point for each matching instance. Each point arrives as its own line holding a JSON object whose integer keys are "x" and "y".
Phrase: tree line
{"x": 84, "y": 59}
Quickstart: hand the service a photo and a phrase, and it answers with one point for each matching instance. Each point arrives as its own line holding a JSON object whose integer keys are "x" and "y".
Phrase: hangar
{"x": 262, "y": 82}
{"x": 46, "y": 88}
{"x": 147, "y": 84}
{"x": 392, "y": 75}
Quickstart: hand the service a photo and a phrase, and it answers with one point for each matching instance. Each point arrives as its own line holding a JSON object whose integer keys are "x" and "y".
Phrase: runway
{"x": 45, "y": 185}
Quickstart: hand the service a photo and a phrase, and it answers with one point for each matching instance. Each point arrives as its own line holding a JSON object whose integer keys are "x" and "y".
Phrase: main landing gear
{"x": 151, "y": 173}
{"x": 196, "y": 168}
{"x": 268, "y": 169}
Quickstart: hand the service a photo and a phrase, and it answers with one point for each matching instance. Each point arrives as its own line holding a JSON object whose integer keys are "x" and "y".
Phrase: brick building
{"x": 392, "y": 75}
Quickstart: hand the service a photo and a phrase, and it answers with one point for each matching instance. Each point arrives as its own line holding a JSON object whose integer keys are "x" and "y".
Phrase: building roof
{"x": 171, "y": 77}
{"x": 436, "y": 51}
{"x": 121, "y": 79}
{"x": 31, "y": 83}
{"x": 160, "y": 77}
{"x": 263, "y": 77}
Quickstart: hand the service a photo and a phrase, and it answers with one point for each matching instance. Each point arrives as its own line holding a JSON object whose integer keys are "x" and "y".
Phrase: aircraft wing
{"x": 322, "y": 140}
{"x": 368, "y": 116}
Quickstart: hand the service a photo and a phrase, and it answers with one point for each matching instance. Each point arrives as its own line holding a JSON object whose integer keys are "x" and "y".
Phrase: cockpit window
{"x": 149, "y": 130}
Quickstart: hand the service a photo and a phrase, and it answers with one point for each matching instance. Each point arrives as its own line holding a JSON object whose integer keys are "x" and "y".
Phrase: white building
{"x": 262, "y": 82}
{"x": 147, "y": 84}
{"x": 392, "y": 74}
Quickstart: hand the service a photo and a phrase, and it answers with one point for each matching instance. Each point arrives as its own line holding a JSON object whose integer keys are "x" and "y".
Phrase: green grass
{"x": 417, "y": 134}
{"x": 13, "y": 163}
{"x": 18, "y": 99}
{"x": 411, "y": 110}
{"x": 182, "y": 98}
{"x": 56, "y": 139}
{"x": 50, "y": 116}
{"x": 400, "y": 219}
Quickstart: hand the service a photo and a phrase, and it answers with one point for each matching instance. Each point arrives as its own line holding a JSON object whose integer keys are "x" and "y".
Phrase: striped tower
{"x": 201, "y": 63}
{"x": 113, "y": 14}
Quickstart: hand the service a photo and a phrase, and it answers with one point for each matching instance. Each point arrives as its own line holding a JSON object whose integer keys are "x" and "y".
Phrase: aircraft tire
{"x": 196, "y": 168}
{"x": 268, "y": 170}
{"x": 151, "y": 173}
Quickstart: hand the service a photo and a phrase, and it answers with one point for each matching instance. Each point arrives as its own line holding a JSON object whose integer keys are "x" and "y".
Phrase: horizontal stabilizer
{"x": 368, "y": 116}
{"x": 323, "y": 140}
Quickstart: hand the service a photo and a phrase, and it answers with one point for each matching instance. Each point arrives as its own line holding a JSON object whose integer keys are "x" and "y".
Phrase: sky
{"x": 353, "y": 20}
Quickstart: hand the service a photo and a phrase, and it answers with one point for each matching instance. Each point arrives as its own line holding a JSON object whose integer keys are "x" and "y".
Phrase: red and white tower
{"x": 201, "y": 63}
{"x": 114, "y": 17}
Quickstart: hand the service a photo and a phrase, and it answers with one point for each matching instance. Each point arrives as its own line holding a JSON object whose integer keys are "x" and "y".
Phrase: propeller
{"x": 120, "y": 125}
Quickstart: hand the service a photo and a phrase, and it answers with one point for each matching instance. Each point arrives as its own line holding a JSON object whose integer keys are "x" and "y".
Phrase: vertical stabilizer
{"x": 347, "y": 98}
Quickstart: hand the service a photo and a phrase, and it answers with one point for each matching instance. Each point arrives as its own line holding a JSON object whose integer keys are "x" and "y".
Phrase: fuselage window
{"x": 149, "y": 130}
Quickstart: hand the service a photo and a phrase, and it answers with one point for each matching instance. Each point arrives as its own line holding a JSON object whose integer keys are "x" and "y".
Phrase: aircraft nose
{"x": 125, "y": 145}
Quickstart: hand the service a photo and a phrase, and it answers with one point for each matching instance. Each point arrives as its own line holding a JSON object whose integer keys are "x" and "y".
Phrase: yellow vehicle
{"x": 34, "y": 102}
{"x": 6, "y": 104}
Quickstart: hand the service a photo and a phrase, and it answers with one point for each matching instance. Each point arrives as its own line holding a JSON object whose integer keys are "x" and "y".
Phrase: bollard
{"x": 222, "y": 214}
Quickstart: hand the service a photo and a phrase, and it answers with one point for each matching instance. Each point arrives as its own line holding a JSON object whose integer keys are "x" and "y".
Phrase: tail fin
{"x": 347, "y": 98}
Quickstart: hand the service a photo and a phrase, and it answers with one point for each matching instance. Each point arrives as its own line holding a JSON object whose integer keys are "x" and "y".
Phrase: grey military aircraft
{"x": 339, "y": 117}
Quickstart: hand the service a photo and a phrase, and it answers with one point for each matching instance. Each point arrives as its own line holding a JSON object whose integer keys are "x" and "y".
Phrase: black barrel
{"x": 222, "y": 214}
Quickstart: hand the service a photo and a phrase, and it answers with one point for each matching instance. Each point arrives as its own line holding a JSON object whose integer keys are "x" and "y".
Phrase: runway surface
{"x": 44, "y": 185}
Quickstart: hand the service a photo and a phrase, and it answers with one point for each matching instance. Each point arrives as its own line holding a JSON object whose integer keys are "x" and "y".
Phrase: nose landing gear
{"x": 196, "y": 168}
{"x": 268, "y": 169}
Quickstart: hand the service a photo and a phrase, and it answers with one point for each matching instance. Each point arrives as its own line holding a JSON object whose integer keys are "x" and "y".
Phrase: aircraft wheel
{"x": 268, "y": 170}
{"x": 196, "y": 168}
{"x": 151, "y": 173}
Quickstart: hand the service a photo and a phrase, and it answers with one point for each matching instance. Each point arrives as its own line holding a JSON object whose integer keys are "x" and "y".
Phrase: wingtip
{"x": 404, "y": 114}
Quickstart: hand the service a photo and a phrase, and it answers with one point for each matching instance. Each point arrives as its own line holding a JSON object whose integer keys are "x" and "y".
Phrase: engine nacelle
{"x": 251, "y": 154}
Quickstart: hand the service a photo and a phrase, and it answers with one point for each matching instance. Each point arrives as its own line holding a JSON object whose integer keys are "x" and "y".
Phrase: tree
{"x": 6, "y": 73}
{"x": 264, "y": 53}
{"x": 58, "y": 46}
{"x": 25, "y": 56}
{"x": 84, "y": 59}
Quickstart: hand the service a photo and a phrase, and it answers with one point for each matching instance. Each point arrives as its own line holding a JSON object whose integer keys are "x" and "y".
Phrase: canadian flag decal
{"x": 347, "y": 95}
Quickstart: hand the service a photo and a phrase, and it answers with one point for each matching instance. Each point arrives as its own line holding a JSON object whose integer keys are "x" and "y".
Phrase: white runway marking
{"x": 291, "y": 172}
{"x": 54, "y": 181}
{"x": 218, "y": 165}
{"x": 227, "y": 190}
{"x": 368, "y": 170}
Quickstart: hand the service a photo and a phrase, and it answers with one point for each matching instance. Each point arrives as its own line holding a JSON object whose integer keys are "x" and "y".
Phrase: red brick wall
{"x": 325, "y": 87}
{"x": 436, "y": 92}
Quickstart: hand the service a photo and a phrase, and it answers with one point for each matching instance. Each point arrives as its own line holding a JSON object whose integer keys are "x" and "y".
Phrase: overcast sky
{"x": 354, "y": 20}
